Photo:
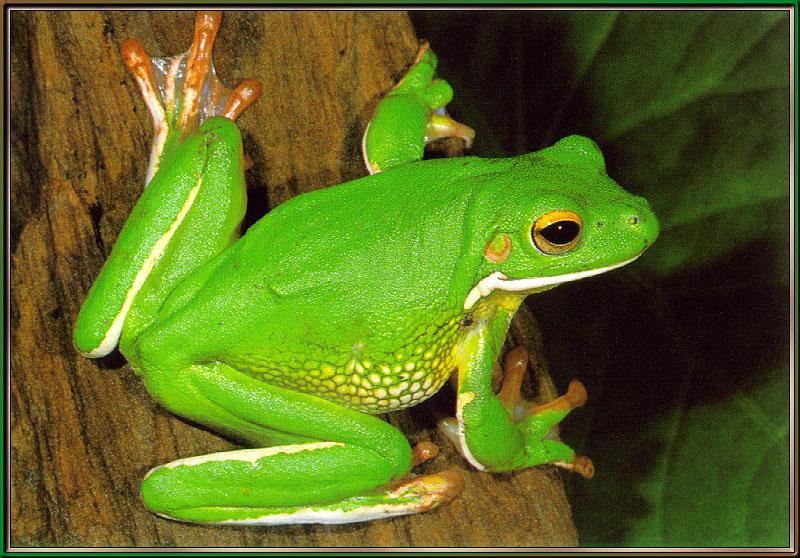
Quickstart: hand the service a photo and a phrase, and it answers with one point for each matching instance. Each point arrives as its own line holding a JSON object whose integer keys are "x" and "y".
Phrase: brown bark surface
{"x": 83, "y": 433}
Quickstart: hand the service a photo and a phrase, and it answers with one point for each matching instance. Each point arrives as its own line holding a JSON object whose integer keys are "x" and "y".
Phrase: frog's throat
{"x": 497, "y": 281}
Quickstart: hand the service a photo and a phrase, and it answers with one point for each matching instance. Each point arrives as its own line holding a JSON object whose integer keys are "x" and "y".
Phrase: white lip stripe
{"x": 112, "y": 335}
{"x": 498, "y": 281}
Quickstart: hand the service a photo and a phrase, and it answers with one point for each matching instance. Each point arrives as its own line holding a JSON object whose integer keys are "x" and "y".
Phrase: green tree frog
{"x": 343, "y": 303}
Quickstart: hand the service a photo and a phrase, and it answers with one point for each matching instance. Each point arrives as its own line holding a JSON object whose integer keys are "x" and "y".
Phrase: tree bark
{"x": 84, "y": 432}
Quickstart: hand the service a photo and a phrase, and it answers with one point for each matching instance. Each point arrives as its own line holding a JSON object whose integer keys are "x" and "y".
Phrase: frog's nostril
{"x": 633, "y": 220}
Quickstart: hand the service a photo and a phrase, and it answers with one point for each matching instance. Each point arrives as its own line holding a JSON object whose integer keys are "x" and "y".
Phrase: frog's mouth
{"x": 498, "y": 281}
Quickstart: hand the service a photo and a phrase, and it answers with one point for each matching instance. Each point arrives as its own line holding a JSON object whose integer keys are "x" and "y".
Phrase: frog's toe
{"x": 422, "y": 452}
{"x": 515, "y": 365}
{"x": 581, "y": 465}
{"x": 427, "y": 492}
{"x": 576, "y": 396}
{"x": 244, "y": 95}
{"x": 449, "y": 427}
{"x": 440, "y": 125}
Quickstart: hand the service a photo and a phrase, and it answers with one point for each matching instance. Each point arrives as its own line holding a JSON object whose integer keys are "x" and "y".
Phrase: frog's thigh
{"x": 340, "y": 456}
{"x": 189, "y": 213}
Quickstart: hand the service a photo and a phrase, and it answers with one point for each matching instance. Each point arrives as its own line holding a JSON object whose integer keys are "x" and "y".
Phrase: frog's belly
{"x": 366, "y": 380}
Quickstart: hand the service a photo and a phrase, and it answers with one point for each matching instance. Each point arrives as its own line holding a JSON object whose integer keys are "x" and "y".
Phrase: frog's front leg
{"x": 496, "y": 432}
{"x": 410, "y": 116}
{"x": 332, "y": 464}
{"x": 540, "y": 420}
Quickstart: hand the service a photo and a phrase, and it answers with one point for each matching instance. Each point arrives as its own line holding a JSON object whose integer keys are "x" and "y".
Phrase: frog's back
{"x": 345, "y": 292}
{"x": 395, "y": 237}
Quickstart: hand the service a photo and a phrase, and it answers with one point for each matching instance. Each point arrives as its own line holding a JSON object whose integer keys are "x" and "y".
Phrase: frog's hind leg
{"x": 193, "y": 205}
{"x": 181, "y": 92}
{"x": 189, "y": 214}
{"x": 333, "y": 464}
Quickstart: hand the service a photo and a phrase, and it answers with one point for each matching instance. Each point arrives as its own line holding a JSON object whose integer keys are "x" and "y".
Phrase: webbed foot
{"x": 183, "y": 91}
{"x": 542, "y": 417}
{"x": 536, "y": 422}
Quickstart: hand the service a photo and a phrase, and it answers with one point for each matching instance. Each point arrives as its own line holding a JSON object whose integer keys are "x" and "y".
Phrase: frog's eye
{"x": 556, "y": 232}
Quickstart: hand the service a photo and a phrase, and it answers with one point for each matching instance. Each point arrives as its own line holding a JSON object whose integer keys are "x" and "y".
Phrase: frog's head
{"x": 558, "y": 217}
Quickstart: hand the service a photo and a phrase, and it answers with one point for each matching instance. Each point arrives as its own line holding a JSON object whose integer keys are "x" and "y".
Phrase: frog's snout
{"x": 634, "y": 220}
{"x": 641, "y": 222}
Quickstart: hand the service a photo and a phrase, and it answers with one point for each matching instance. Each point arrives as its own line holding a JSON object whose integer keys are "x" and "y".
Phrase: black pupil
{"x": 561, "y": 232}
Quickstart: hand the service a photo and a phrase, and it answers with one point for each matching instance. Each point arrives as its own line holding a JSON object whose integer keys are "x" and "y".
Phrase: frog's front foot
{"x": 411, "y": 116}
{"x": 183, "y": 91}
{"x": 541, "y": 419}
{"x": 440, "y": 126}
{"x": 515, "y": 365}
{"x": 537, "y": 423}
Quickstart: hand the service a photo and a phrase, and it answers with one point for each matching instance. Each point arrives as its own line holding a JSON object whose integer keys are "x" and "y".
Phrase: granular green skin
{"x": 352, "y": 301}
{"x": 308, "y": 278}
{"x": 369, "y": 379}
{"x": 365, "y": 271}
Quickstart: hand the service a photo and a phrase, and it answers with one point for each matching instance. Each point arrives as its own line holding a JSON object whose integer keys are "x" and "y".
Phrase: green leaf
{"x": 693, "y": 109}
{"x": 723, "y": 474}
